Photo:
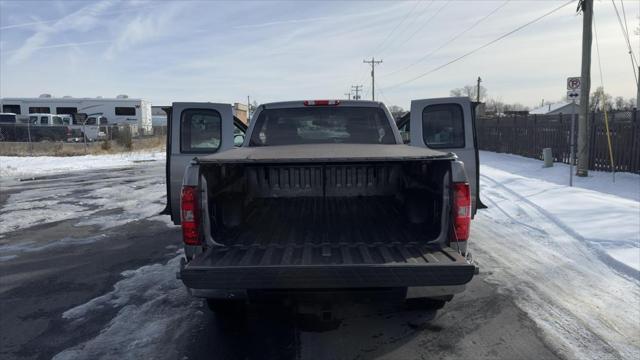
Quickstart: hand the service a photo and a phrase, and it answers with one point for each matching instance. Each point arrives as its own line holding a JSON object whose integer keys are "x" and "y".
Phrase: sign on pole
{"x": 573, "y": 95}
{"x": 573, "y": 83}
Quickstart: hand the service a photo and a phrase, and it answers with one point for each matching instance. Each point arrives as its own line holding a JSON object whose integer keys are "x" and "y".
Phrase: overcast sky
{"x": 223, "y": 51}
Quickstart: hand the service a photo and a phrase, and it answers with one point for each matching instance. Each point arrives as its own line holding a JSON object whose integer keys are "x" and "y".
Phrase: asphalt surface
{"x": 72, "y": 288}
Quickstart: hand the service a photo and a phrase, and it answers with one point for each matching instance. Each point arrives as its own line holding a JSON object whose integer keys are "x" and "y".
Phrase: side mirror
{"x": 405, "y": 137}
{"x": 238, "y": 140}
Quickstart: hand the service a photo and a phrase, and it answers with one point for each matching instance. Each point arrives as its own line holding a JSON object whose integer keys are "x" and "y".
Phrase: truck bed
{"x": 327, "y": 220}
{"x": 287, "y": 243}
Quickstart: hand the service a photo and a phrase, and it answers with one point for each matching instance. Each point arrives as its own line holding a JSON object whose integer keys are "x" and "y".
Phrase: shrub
{"x": 124, "y": 137}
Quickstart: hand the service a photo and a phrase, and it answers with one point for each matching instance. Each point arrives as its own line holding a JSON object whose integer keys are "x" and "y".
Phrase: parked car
{"x": 33, "y": 127}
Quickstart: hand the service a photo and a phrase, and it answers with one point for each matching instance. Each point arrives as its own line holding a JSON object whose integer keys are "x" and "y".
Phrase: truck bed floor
{"x": 330, "y": 220}
{"x": 311, "y": 243}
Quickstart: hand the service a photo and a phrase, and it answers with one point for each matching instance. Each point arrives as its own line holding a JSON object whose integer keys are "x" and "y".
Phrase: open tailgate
{"x": 326, "y": 266}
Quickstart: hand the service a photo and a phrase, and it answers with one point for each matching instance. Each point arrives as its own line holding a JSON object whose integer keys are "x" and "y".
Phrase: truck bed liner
{"x": 354, "y": 265}
{"x": 316, "y": 220}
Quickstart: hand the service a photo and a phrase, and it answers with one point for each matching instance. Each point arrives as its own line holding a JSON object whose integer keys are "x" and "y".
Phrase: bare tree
{"x": 599, "y": 97}
{"x": 515, "y": 107}
{"x": 396, "y": 111}
{"x": 495, "y": 105}
{"x": 471, "y": 91}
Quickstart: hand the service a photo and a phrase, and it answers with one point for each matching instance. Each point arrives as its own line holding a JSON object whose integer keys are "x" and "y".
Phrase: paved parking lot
{"x": 97, "y": 279}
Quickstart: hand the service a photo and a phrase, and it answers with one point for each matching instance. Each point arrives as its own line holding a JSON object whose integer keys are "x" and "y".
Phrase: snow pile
{"x": 546, "y": 245}
{"x": 155, "y": 311}
{"x": 22, "y": 166}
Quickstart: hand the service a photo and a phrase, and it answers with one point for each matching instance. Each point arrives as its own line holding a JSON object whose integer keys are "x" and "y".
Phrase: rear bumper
{"x": 326, "y": 267}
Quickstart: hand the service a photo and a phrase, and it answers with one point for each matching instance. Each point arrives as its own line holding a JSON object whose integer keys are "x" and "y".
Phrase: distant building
{"x": 158, "y": 116}
{"x": 240, "y": 111}
{"x": 563, "y": 107}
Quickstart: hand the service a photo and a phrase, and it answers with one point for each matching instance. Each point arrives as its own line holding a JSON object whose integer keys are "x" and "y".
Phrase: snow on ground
{"x": 626, "y": 185}
{"x": 154, "y": 311}
{"x": 106, "y": 203}
{"x": 538, "y": 242}
{"x": 23, "y": 166}
{"x": 596, "y": 210}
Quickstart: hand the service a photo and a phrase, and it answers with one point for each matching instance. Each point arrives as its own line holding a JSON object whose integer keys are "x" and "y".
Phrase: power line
{"x": 454, "y": 38}
{"x": 604, "y": 99}
{"x": 397, "y": 26}
{"x": 624, "y": 29}
{"x": 624, "y": 15}
{"x": 418, "y": 2}
{"x": 386, "y": 100}
{"x": 625, "y": 35}
{"x": 424, "y": 11}
{"x": 595, "y": 32}
{"x": 424, "y": 24}
{"x": 482, "y": 46}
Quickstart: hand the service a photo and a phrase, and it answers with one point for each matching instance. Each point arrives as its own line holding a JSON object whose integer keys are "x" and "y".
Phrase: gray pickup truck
{"x": 323, "y": 195}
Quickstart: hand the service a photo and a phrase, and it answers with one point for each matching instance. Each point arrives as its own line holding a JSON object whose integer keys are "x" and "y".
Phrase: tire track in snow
{"x": 569, "y": 231}
{"x": 584, "y": 308}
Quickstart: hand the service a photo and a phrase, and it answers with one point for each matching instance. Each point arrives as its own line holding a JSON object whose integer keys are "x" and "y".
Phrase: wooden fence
{"x": 527, "y": 135}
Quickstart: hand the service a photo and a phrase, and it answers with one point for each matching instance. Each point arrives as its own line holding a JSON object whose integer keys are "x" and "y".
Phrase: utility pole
{"x": 348, "y": 95}
{"x": 638, "y": 92}
{"x": 356, "y": 89}
{"x": 585, "y": 83}
{"x": 248, "y": 109}
{"x": 373, "y": 62}
{"x": 478, "y": 90}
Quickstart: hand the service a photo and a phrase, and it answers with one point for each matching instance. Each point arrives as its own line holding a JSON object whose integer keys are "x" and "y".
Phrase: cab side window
{"x": 201, "y": 131}
{"x": 443, "y": 126}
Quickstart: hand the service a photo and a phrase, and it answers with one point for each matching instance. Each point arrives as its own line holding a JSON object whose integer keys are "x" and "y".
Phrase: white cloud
{"x": 83, "y": 19}
{"x": 143, "y": 28}
{"x": 222, "y": 51}
{"x": 63, "y": 45}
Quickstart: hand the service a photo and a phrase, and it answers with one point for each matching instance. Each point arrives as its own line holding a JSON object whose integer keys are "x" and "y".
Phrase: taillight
{"x": 321, "y": 102}
{"x": 189, "y": 215}
{"x": 461, "y": 211}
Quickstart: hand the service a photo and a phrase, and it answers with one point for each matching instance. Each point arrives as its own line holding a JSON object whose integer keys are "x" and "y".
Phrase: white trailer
{"x": 119, "y": 110}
